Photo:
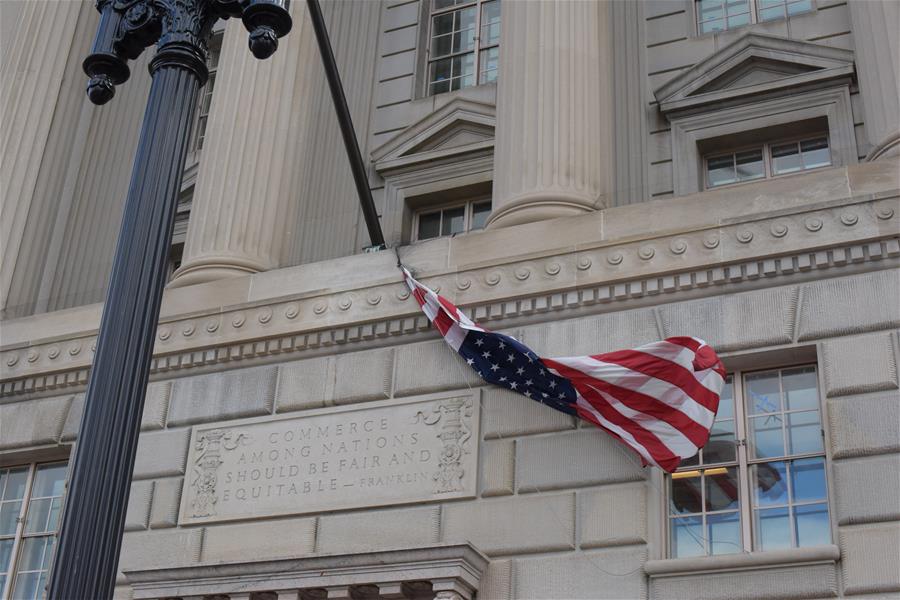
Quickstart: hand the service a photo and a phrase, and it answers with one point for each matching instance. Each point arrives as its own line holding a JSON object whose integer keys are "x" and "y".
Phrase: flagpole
{"x": 90, "y": 537}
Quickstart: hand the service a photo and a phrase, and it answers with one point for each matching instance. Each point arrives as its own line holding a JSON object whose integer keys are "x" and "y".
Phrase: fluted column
{"x": 245, "y": 200}
{"x": 553, "y": 132}
{"x": 876, "y": 30}
{"x": 32, "y": 74}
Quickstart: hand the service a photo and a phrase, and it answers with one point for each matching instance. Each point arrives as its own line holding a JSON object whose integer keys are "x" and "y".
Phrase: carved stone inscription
{"x": 390, "y": 452}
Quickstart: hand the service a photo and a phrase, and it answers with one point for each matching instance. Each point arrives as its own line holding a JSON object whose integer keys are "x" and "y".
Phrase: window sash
{"x": 768, "y": 160}
{"x": 468, "y": 217}
{"x": 754, "y": 10}
{"x": 476, "y": 51}
{"x": 747, "y": 510}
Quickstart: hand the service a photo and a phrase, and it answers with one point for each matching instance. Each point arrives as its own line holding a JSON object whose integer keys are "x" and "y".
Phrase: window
{"x": 463, "y": 44}
{"x": 767, "y": 160}
{"x": 206, "y": 94}
{"x": 760, "y": 483}
{"x": 31, "y": 499}
{"x": 452, "y": 220}
{"x": 719, "y": 15}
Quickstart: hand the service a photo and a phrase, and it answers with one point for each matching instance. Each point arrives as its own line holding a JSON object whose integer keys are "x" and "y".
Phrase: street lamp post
{"x": 90, "y": 537}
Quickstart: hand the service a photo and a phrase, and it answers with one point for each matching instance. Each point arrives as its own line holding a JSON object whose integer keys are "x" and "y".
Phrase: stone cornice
{"x": 375, "y": 306}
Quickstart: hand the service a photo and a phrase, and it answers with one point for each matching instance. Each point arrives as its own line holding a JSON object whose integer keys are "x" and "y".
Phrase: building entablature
{"x": 845, "y": 218}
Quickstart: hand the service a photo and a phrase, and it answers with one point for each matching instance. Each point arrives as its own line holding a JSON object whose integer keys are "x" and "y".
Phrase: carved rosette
{"x": 454, "y": 416}
{"x": 209, "y": 446}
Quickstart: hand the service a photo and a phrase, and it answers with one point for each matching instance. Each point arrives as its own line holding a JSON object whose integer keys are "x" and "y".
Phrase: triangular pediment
{"x": 751, "y": 65}
{"x": 460, "y": 127}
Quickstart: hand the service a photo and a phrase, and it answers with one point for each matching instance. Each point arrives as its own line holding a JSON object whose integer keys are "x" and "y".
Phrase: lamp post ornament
{"x": 87, "y": 554}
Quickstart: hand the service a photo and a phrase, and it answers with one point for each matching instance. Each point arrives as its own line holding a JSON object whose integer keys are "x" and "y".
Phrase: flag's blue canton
{"x": 503, "y": 361}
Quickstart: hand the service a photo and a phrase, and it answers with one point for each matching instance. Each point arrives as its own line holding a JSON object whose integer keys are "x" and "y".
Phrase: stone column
{"x": 245, "y": 200}
{"x": 876, "y": 31}
{"x": 554, "y": 126}
{"x": 32, "y": 71}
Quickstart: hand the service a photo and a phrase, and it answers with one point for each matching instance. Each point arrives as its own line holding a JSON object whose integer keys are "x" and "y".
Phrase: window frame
{"x": 467, "y": 217}
{"x": 768, "y": 167}
{"x": 753, "y": 6}
{"x": 429, "y": 12}
{"x": 20, "y": 534}
{"x": 744, "y": 463}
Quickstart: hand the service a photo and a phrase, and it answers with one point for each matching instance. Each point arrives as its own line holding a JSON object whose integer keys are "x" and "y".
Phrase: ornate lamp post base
{"x": 90, "y": 538}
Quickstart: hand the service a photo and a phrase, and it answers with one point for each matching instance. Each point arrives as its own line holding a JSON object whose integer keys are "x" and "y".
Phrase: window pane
{"x": 798, "y": 7}
{"x": 710, "y": 26}
{"x": 687, "y": 537}
{"x": 724, "y": 533}
{"x": 720, "y": 170}
{"x": 720, "y": 447}
{"x": 804, "y": 432}
{"x": 5, "y": 554}
{"x": 440, "y": 87}
{"x": 49, "y": 481}
{"x": 766, "y": 437}
{"x": 769, "y": 484}
{"x": 812, "y": 525}
{"x": 440, "y": 69}
{"x": 490, "y": 64}
{"x": 749, "y": 164}
{"x": 773, "y": 528}
{"x": 710, "y": 9}
{"x": 815, "y": 153}
{"x": 800, "y": 389}
{"x": 738, "y": 21}
{"x": 737, "y": 7}
{"x": 9, "y": 512}
{"x": 786, "y": 158}
{"x": 442, "y": 24}
{"x": 439, "y": 4}
{"x": 38, "y": 513}
{"x": 763, "y": 393}
{"x": 686, "y": 493}
{"x": 14, "y": 480}
{"x": 465, "y": 25}
{"x": 769, "y": 14}
{"x": 454, "y": 221}
{"x": 480, "y": 212}
{"x": 464, "y": 67}
{"x": 441, "y": 45}
{"x": 721, "y": 489}
{"x": 726, "y": 400}
{"x": 26, "y": 587}
{"x": 429, "y": 225}
{"x": 490, "y": 23}
{"x": 808, "y": 479}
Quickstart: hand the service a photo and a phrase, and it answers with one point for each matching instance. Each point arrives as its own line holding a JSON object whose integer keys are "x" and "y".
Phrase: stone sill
{"x": 742, "y": 562}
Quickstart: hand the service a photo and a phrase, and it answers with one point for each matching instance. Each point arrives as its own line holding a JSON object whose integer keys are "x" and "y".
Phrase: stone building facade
{"x": 583, "y": 175}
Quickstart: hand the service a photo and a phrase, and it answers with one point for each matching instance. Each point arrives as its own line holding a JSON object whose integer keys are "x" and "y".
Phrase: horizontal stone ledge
{"x": 746, "y": 560}
{"x": 447, "y": 566}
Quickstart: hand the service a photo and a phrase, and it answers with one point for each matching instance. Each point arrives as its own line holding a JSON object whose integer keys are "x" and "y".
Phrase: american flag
{"x": 659, "y": 399}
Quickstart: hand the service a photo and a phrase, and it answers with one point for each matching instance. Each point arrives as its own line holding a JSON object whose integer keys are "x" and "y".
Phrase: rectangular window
{"x": 206, "y": 94}
{"x": 759, "y": 484}
{"x": 31, "y": 499}
{"x": 719, "y": 15}
{"x": 464, "y": 40}
{"x": 767, "y": 160}
{"x": 452, "y": 220}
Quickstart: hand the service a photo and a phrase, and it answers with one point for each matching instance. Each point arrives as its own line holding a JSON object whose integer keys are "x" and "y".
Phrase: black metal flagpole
{"x": 357, "y": 165}
{"x": 90, "y": 537}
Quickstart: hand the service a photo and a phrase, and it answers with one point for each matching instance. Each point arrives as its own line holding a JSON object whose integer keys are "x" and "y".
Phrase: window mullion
{"x": 746, "y": 489}
{"x": 20, "y": 534}
{"x": 477, "y": 59}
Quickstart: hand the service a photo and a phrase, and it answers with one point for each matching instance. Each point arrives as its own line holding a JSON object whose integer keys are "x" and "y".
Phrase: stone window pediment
{"x": 753, "y": 65}
{"x": 460, "y": 128}
{"x": 439, "y": 572}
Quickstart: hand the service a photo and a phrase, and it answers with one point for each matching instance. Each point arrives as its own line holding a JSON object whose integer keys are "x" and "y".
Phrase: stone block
{"x": 166, "y": 500}
{"x": 361, "y": 376}
{"x": 864, "y": 425}
{"x": 400, "y": 15}
{"x": 507, "y": 414}
{"x": 806, "y": 581}
{"x": 305, "y": 384}
{"x": 33, "y": 422}
{"x": 867, "y": 490}
{"x": 156, "y": 405}
{"x": 498, "y": 465}
{"x": 375, "y": 530}
{"x": 396, "y": 65}
{"x": 869, "y": 558}
{"x": 513, "y": 525}
{"x": 431, "y": 367}
{"x": 727, "y": 323}
{"x": 161, "y": 453}
{"x": 399, "y": 40}
{"x": 496, "y": 582}
{"x": 160, "y": 549}
{"x": 394, "y": 91}
{"x": 613, "y": 516}
{"x": 220, "y": 396}
{"x": 613, "y": 573}
{"x": 138, "y": 511}
{"x": 123, "y": 592}
{"x": 849, "y": 305}
{"x": 260, "y": 540}
{"x": 860, "y": 364}
{"x": 577, "y": 458}
{"x": 592, "y": 335}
